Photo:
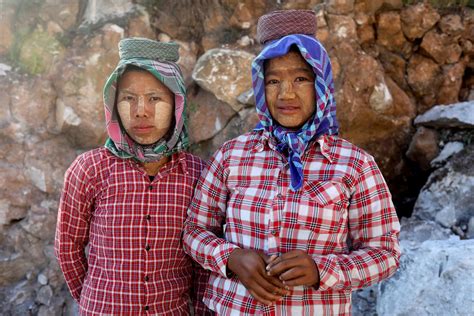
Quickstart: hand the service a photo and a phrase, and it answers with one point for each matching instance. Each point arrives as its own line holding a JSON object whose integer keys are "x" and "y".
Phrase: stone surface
{"x": 39, "y": 52}
{"x": 339, "y": 6}
{"x": 418, "y": 19}
{"x": 31, "y": 103}
{"x": 390, "y": 35}
{"x": 451, "y": 85}
{"x": 139, "y": 25}
{"x": 451, "y": 24}
{"x": 433, "y": 276}
{"x": 415, "y": 231}
{"x": 374, "y": 113}
{"x": 207, "y": 116}
{"x": 423, "y": 76}
{"x": 448, "y": 195}
{"x": 225, "y": 73}
{"x": 449, "y": 150}
{"x": 45, "y": 294}
{"x": 106, "y": 10}
{"x": 6, "y": 25}
{"x": 441, "y": 47}
{"x": 424, "y": 147}
{"x": 342, "y": 28}
{"x": 460, "y": 115}
{"x": 79, "y": 107}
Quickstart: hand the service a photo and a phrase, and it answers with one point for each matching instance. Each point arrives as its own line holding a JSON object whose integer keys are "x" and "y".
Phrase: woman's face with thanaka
{"x": 289, "y": 90}
{"x": 145, "y": 106}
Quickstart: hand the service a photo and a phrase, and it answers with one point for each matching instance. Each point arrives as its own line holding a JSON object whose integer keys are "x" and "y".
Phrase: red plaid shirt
{"x": 133, "y": 226}
{"x": 343, "y": 217}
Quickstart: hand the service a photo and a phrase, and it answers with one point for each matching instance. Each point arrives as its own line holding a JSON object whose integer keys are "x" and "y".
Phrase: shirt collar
{"x": 264, "y": 139}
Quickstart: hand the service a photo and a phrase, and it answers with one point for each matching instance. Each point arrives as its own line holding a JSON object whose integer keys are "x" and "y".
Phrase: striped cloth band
{"x": 138, "y": 47}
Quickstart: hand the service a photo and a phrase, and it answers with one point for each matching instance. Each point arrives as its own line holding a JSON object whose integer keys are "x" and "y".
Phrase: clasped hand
{"x": 269, "y": 278}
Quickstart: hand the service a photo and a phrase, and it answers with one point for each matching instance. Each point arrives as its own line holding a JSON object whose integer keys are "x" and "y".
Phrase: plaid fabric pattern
{"x": 119, "y": 143}
{"x": 133, "y": 226}
{"x": 280, "y": 23}
{"x": 324, "y": 120}
{"x": 343, "y": 217}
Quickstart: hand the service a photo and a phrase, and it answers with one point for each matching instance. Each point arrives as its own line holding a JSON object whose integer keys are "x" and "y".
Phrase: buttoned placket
{"x": 277, "y": 208}
{"x": 147, "y": 218}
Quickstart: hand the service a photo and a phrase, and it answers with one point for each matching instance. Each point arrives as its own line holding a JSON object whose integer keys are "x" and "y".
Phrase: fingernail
{"x": 267, "y": 267}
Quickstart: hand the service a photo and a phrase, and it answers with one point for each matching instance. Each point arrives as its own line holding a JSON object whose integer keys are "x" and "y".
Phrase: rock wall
{"x": 391, "y": 63}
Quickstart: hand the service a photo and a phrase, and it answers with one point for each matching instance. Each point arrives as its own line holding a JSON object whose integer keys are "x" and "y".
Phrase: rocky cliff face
{"x": 391, "y": 63}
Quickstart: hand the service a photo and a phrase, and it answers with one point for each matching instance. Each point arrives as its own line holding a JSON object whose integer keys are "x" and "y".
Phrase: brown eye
{"x": 301, "y": 79}
{"x": 272, "y": 81}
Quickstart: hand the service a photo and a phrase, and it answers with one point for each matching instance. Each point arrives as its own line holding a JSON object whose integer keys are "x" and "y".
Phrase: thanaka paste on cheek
{"x": 124, "y": 109}
{"x": 163, "y": 116}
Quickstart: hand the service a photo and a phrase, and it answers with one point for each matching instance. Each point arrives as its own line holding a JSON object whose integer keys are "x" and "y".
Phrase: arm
{"x": 203, "y": 226}
{"x": 373, "y": 228}
{"x": 72, "y": 230}
{"x": 206, "y": 215}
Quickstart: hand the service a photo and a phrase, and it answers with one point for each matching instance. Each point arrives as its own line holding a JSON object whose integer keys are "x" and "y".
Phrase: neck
{"x": 152, "y": 168}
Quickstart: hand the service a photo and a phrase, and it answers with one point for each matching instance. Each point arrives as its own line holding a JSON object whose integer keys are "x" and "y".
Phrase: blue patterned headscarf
{"x": 294, "y": 143}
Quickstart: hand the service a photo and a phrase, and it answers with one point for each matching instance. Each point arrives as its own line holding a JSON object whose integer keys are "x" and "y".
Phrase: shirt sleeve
{"x": 200, "y": 281}
{"x": 203, "y": 228}
{"x": 72, "y": 229}
{"x": 373, "y": 228}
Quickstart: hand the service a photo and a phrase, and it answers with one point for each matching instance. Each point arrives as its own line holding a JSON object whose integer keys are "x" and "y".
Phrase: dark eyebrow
{"x": 299, "y": 69}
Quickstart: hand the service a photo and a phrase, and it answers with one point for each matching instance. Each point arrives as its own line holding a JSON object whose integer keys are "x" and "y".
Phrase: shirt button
{"x": 147, "y": 247}
{"x": 147, "y": 307}
{"x": 274, "y": 232}
{"x": 146, "y": 278}
{"x": 150, "y": 187}
{"x": 147, "y": 217}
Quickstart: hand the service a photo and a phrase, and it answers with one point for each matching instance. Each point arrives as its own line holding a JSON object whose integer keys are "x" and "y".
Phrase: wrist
{"x": 231, "y": 261}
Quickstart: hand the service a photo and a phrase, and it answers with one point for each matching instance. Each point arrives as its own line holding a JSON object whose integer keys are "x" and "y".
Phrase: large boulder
{"x": 226, "y": 73}
{"x": 374, "y": 113}
{"x": 418, "y": 19}
{"x": 460, "y": 115}
{"x": 79, "y": 84}
{"x": 448, "y": 196}
{"x": 433, "y": 279}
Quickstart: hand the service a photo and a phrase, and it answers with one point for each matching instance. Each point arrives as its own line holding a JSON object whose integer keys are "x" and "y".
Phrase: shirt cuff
{"x": 328, "y": 272}
{"x": 222, "y": 254}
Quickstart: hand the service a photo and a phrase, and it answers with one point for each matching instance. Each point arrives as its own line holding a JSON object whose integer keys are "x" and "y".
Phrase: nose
{"x": 141, "y": 110}
{"x": 286, "y": 91}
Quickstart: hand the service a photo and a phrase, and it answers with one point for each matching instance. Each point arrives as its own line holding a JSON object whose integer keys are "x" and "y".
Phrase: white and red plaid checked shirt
{"x": 343, "y": 217}
{"x": 133, "y": 226}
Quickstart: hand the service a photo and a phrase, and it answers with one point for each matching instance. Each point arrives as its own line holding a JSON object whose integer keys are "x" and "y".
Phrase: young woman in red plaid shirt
{"x": 290, "y": 218}
{"x": 127, "y": 201}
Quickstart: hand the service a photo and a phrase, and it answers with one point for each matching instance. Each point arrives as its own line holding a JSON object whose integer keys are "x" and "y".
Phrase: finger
{"x": 283, "y": 265}
{"x": 273, "y": 262}
{"x": 259, "y": 298}
{"x": 281, "y": 288}
{"x": 293, "y": 273}
{"x": 272, "y": 284}
{"x": 298, "y": 282}
{"x": 265, "y": 290}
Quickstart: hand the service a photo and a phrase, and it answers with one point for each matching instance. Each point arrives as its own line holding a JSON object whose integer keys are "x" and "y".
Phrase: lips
{"x": 143, "y": 129}
{"x": 287, "y": 108}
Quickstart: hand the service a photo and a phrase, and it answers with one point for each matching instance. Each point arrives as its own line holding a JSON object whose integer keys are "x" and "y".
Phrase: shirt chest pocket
{"x": 323, "y": 206}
